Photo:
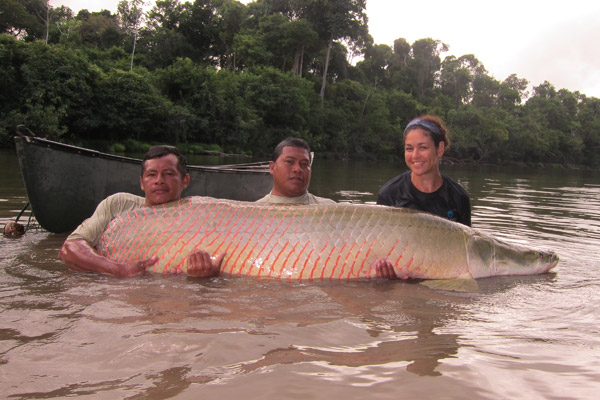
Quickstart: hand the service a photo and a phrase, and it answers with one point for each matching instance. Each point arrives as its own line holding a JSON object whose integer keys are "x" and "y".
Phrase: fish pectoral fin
{"x": 466, "y": 285}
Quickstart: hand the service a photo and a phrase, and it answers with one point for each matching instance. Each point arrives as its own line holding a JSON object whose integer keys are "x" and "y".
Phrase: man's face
{"x": 161, "y": 181}
{"x": 291, "y": 172}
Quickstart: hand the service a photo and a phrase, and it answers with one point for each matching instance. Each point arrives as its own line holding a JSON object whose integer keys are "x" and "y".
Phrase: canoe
{"x": 65, "y": 183}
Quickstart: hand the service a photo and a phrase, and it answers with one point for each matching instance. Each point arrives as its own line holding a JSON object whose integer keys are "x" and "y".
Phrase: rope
{"x": 21, "y": 213}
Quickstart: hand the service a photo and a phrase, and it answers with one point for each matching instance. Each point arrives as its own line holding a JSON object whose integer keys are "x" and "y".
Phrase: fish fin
{"x": 467, "y": 285}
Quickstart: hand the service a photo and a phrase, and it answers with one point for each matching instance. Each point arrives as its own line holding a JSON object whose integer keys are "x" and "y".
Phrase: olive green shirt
{"x": 306, "y": 198}
{"x": 114, "y": 205}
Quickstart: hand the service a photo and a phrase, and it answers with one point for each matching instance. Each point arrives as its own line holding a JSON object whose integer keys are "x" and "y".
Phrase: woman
{"x": 423, "y": 187}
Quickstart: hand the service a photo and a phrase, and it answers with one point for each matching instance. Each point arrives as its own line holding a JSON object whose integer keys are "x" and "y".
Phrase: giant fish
{"x": 303, "y": 242}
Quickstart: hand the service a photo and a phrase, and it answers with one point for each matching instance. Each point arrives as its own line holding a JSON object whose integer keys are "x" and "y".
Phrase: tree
{"x": 302, "y": 38}
{"x": 280, "y": 100}
{"x": 198, "y": 24}
{"x": 50, "y": 89}
{"x": 132, "y": 16}
{"x": 589, "y": 130}
{"x": 458, "y": 75}
{"x": 455, "y": 80}
{"x": 400, "y": 74}
{"x": 478, "y": 134}
{"x": 555, "y": 113}
{"x": 165, "y": 14}
{"x": 402, "y": 52}
{"x": 512, "y": 91}
{"x": 426, "y": 63}
{"x": 98, "y": 29}
{"x": 288, "y": 40}
{"x": 230, "y": 14}
{"x": 334, "y": 20}
{"x": 163, "y": 40}
{"x": 129, "y": 106}
{"x": 485, "y": 91}
{"x": 62, "y": 22}
{"x": 23, "y": 18}
{"x": 377, "y": 64}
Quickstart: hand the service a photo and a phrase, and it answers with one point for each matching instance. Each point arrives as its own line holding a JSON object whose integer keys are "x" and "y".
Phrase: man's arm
{"x": 80, "y": 255}
{"x": 78, "y": 251}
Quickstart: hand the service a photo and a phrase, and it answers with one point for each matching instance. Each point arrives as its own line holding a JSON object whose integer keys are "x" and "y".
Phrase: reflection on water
{"x": 71, "y": 334}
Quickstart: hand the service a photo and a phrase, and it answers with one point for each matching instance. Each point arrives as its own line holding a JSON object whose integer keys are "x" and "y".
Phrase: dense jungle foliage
{"x": 243, "y": 77}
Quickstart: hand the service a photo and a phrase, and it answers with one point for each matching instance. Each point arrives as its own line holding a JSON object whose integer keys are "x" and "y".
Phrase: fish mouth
{"x": 554, "y": 259}
{"x": 550, "y": 257}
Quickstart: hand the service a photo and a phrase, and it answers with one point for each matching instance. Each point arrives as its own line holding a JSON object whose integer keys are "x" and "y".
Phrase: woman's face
{"x": 420, "y": 153}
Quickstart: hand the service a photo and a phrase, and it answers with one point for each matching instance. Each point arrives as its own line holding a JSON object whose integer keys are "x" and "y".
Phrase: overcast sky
{"x": 538, "y": 40}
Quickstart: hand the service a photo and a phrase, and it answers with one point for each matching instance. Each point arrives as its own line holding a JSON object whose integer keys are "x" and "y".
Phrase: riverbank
{"x": 131, "y": 147}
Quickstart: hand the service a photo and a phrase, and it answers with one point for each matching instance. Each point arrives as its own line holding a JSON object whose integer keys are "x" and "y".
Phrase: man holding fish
{"x": 163, "y": 179}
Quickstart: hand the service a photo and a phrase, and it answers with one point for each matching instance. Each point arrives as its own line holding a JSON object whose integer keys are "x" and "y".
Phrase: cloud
{"x": 566, "y": 56}
{"x": 538, "y": 41}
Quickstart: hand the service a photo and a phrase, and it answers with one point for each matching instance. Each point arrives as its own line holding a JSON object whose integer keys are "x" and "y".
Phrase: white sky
{"x": 538, "y": 40}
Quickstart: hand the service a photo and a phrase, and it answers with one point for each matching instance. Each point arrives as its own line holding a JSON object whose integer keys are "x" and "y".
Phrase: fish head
{"x": 511, "y": 259}
{"x": 546, "y": 259}
{"x": 489, "y": 256}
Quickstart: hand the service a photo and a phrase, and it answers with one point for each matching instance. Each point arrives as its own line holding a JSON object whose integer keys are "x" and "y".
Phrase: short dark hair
{"x": 164, "y": 150}
{"x": 290, "y": 141}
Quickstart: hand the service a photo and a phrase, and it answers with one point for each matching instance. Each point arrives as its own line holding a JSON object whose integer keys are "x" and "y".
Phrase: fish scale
{"x": 331, "y": 241}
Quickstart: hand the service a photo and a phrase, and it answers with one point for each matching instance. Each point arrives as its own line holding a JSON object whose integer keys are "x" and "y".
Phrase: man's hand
{"x": 135, "y": 268}
{"x": 384, "y": 269}
{"x": 200, "y": 264}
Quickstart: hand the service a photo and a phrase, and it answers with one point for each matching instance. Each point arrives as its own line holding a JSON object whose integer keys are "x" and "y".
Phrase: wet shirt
{"x": 450, "y": 201}
{"x": 306, "y": 198}
{"x": 92, "y": 228}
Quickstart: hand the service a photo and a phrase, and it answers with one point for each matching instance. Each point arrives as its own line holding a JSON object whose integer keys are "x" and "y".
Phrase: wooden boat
{"x": 65, "y": 183}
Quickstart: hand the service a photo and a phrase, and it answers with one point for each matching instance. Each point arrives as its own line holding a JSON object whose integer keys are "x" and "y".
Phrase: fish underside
{"x": 307, "y": 242}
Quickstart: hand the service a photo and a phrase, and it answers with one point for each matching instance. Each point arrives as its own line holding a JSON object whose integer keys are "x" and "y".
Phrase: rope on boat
{"x": 22, "y": 211}
{"x": 15, "y": 229}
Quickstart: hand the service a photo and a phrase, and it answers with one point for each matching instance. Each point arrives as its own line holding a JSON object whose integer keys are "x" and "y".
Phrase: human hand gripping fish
{"x": 200, "y": 264}
{"x": 385, "y": 269}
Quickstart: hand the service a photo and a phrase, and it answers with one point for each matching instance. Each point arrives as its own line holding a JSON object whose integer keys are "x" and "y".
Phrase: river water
{"x": 67, "y": 334}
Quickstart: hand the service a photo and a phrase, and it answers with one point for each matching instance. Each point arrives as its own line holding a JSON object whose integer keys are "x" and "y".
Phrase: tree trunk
{"x": 47, "y": 20}
{"x": 299, "y": 60}
{"x": 324, "y": 83}
{"x": 133, "y": 51}
{"x": 301, "y": 66}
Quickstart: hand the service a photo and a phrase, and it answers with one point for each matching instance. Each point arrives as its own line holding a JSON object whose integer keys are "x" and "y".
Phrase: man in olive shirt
{"x": 163, "y": 179}
{"x": 290, "y": 168}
